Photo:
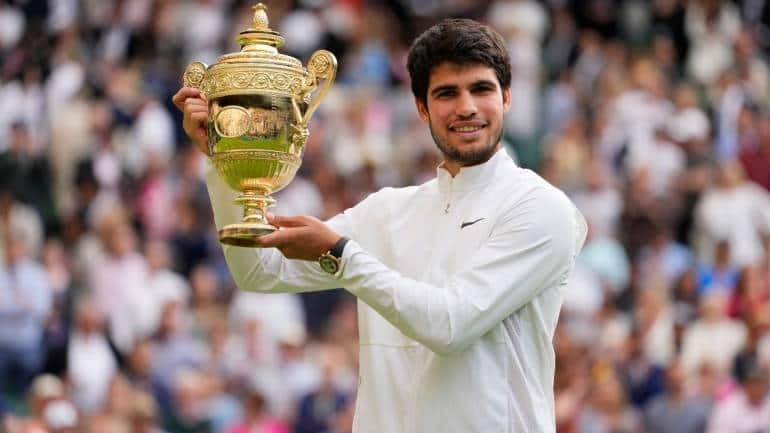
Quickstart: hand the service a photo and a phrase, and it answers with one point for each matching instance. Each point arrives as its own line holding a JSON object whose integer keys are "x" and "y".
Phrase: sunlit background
{"x": 117, "y": 313}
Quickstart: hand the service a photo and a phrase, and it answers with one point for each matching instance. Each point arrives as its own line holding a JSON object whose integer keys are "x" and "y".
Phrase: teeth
{"x": 467, "y": 128}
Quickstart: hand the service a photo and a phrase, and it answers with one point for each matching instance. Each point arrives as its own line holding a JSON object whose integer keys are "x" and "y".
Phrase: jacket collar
{"x": 469, "y": 178}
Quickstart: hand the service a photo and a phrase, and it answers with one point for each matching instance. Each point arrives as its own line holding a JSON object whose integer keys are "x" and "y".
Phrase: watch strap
{"x": 339, "y": 247}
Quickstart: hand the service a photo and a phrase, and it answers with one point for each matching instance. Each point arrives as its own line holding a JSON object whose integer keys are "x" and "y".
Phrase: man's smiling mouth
{"x": 467, "y": 128}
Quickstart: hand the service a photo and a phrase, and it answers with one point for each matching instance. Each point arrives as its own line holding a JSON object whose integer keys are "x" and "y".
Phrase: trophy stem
{"x": 254, "y": 223}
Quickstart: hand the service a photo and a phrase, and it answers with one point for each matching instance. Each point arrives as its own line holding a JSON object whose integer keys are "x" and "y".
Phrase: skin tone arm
{"x": 298, "y": 237}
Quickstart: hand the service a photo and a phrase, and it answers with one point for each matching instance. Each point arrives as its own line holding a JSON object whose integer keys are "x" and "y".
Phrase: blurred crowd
{"x": 117, "y": 313}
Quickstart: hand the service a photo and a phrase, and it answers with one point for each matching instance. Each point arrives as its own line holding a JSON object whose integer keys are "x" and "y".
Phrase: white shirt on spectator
{"x": 737, "y": 415}
{"x": 701, "y": 339}
{"x": 90, "y": 367}
{"x": 601, "y": 208}
{"x": 635, "y": 115}
{"x": 662, "y": 160}
{"x": 738, "y": 215}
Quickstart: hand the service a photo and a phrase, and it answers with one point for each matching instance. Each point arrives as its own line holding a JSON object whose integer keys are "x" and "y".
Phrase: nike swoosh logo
{"x": 469, "y": 223}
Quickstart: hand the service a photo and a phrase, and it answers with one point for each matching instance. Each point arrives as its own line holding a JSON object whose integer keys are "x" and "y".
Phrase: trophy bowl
{"x": 259, "y": 105}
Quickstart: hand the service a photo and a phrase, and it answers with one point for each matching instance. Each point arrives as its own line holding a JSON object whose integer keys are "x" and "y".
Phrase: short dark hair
{"x": 458, "y": 41}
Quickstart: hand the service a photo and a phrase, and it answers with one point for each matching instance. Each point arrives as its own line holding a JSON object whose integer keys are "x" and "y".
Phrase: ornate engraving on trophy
{"x": 232, "y": 121}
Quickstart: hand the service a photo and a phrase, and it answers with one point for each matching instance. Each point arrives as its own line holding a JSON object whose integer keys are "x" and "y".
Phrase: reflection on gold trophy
{"x": 260, "y": 103}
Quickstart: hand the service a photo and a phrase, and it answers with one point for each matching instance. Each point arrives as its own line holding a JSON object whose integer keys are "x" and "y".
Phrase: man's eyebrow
{"x": 475, "y": 84}
{"x": 439, "y": 89}
{"x": 483, "y": 83}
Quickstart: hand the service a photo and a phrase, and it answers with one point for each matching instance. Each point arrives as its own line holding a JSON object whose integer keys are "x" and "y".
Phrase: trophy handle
{"x": 322, "y": 66}
{"x": 194, "y": 74}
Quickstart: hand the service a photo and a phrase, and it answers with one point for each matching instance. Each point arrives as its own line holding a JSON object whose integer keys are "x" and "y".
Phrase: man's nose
{"x": 466, "y": 105}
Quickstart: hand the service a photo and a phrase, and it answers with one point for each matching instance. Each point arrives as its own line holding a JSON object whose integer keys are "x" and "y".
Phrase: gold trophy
{"x": 260, "y": 102}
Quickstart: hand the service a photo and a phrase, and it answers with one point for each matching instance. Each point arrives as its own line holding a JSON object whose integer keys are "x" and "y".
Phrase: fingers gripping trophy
{"x": 259, "y": 104}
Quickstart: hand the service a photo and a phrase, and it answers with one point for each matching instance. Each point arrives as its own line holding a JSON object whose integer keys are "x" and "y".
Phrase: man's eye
{"x": 483, "y": 90}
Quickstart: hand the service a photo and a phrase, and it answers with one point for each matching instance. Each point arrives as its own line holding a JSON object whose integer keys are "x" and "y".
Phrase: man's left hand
{"x": 299, "y": 237}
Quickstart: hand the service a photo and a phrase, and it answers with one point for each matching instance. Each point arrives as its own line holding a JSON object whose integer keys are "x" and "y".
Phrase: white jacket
{"x": 459, "y": 284}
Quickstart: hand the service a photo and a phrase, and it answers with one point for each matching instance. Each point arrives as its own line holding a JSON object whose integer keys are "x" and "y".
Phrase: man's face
{"x": 464, "y": 111}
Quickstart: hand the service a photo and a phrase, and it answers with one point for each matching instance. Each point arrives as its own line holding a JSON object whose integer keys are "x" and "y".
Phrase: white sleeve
{"x": 532, "y": 247}
{"x": 266, "y": 269}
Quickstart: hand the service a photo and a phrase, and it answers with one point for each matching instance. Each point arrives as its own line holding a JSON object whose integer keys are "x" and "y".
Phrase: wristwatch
{"x": 331, "y": 261}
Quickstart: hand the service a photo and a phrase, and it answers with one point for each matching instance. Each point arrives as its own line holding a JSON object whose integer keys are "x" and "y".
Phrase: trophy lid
{"x": 260, "y": 43}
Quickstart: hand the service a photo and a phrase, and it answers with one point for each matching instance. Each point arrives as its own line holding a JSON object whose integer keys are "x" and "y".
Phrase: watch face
{"x": 329, "y": 264}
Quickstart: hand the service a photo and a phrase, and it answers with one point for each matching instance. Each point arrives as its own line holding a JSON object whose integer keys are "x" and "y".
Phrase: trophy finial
{"x": 260, "y": 17}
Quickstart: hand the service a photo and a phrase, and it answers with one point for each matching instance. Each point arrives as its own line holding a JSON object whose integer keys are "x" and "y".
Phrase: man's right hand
{"x": 191, "y": 102}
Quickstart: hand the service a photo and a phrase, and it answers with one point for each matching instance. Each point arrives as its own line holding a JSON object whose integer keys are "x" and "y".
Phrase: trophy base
{"x": 244, "y": 234}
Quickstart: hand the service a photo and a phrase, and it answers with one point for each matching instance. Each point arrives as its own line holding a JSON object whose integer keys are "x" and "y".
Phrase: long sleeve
{"x": 265, "y": 269}
{"x": 532, "y": 248}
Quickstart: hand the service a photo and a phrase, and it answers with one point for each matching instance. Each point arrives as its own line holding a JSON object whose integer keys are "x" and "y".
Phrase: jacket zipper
{"x": 448, "y": 197}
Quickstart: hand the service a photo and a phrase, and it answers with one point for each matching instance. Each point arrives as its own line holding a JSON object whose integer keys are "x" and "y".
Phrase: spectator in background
{"x": 61, "y": 416}
{"x": 25, "y": 303}
{"x": 317, "y": 409}
{"x": 663, "y": 260}
{"x": 204, "y": 307}
{"x": 144, "y": 416}
{"x": 675, "y": 411}
{"x": 736, "y": 211}
{"x": 138, "y": 370}
{"x": 747, "y": 410}
{"x": 279, "y": 315}
{"x": 752, "y": 69}
{"x": 27, "y": 173}
{"x": 19, "y": 219}
{"x": 257, "y": 418}
{"x": 163, "y": 283}
{"x": 567, "y": 153}
{"x": 660, "y": 161}
{"x": 654, "y": 319}
{"x": 712, "y": 26}
{"x": 119, "y": 283}
{"x": 607, "y": 408}
{"x": 523, "y": 24}
{"x": 175, "y": 349}
{"x": 58, "y": 268}
{"x": 635, "y": 115}
{"x": 751, "y": 299}
{"x": 606, "y": 257}
{"x": 91, "y": 363}
{"x": 44, "y": 389}
{"x": 155, "y": 202}
{"x": 755, "y": 156}
{"x": 190, "y": 398}
{"x": 714, "y": 328}
{"x": 721, "y": 275}
{"x": 599, "y": 200}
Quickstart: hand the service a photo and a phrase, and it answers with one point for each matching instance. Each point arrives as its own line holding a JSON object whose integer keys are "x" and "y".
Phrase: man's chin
{"x": 468, "y": 154}
{"x": 470, "y": 157}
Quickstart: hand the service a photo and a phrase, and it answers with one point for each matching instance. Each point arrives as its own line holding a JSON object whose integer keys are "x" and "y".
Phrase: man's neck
{"x": 454, "y": 167}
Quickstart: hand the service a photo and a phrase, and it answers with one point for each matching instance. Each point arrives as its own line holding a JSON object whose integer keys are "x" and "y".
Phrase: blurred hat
{"x": 60, "y": 414}
{"x": 47, "y": 386}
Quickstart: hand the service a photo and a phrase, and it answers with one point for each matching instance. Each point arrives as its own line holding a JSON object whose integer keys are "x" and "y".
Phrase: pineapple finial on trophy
{"x": 260, "y": 17}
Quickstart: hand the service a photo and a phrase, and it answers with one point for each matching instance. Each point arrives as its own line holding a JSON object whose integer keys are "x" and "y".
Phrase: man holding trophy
{"x": 459, "y": 280}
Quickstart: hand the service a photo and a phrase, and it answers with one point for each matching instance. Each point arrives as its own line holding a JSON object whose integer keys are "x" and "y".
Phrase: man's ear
{"x": 422, "y": 110}
{"x": 506, "y": 99}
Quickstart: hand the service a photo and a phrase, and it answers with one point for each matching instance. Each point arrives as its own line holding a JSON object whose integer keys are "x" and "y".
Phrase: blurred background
{"x": 117, "y": 313}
